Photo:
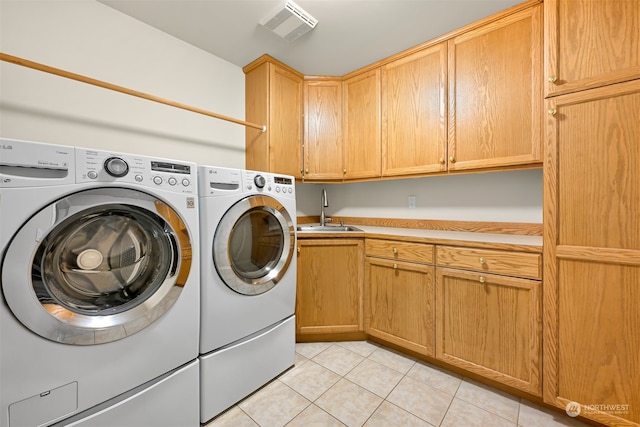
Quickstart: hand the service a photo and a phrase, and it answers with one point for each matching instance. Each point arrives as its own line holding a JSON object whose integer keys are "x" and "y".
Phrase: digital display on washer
{"x": 282, "y": 180}
{"x": 170, "y": 167}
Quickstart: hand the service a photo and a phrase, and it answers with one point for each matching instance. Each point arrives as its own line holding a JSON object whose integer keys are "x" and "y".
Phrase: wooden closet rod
{"x": 58, "y": 72}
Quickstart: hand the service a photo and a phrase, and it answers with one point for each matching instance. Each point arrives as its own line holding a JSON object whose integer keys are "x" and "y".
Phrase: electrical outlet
{"x": 412, "y": 202}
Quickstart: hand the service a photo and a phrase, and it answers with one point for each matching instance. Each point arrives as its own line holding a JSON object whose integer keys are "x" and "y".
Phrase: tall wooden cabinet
{"x": 592, "y": 249}
{"x": 495, "y": 93}
{"x": 362, "y": 125}
{"x": 273, "y": 96}
{"x": 323, "y": 147}
{"x": 414, "y": 108}
{"x": 592, "y": 209}
{"x": 330, "y": 283}
{"x": 590, "y": 43}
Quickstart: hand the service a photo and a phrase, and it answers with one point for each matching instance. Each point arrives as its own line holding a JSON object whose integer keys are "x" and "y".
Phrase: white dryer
{"x": 100, "y": 286}
{"x": 248, "y": 282}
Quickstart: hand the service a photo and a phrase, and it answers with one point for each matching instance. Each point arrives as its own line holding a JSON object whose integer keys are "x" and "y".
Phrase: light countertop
{"x": 518, "y": 242}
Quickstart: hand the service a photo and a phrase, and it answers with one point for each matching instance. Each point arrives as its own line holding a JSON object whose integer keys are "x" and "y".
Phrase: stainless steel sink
{"x": 327, "y": 228}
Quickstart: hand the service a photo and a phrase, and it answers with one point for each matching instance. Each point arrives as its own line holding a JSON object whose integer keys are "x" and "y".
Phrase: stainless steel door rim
{"x": 96, "y": 266}
{"x": 253, "y": 244}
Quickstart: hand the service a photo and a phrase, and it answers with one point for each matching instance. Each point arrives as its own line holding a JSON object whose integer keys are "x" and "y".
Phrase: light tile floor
{"x": 364, "y": 384}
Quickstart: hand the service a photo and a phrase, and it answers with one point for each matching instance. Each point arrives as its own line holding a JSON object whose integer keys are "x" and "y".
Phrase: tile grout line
{"x": 485, "y": 409}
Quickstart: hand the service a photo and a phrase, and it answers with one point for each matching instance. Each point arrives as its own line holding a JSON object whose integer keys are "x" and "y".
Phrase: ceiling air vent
{"x": 289, "y": 21}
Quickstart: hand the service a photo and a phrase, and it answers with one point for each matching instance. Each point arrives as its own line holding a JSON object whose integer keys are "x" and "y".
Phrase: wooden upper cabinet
{"x": 362, "y": 156}
{"x": 590, "y": 43}
{"x": 323, "y": 146}
{"x": 414, "y": 106}
{"x": 495, "y": 93}
{"x": 274, "y": 97}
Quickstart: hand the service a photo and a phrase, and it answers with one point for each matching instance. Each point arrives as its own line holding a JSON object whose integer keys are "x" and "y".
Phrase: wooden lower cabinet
{"x": 329, "y": 297}
{"x": 490, "y": 325}
{"x": 399, "y": 303}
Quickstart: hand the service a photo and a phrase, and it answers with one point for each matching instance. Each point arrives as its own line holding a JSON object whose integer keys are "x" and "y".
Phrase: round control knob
{"x": 139, "y": 178}
{"x": 172, "y": 181}
{"x": 186, "y": 182}
{"x": 259, "y": 181}
{"x": 157, "y": 180}
{"x": 117, "y": 167}
{"x": 92, "y": 174}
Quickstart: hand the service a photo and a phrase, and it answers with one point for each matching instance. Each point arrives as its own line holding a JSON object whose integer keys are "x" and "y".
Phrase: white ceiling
{"x": 350, "y": 34}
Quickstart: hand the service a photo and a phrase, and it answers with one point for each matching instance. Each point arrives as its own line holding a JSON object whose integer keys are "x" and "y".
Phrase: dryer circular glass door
{"x": 253, "y": 245}
{"x": 96, "y": 266}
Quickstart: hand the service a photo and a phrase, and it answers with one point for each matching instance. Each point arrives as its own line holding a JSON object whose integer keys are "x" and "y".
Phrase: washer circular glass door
{"x": 104, "y": 264}
{"x": 253, "y": 245}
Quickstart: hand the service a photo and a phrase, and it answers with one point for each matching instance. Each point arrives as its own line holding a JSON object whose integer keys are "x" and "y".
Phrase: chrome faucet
{"x": 324, "y": 203}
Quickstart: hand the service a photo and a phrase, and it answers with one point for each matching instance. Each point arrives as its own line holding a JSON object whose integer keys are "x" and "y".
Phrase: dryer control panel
{"x": 108, "y": 167}
{"x": 263, "y": 182}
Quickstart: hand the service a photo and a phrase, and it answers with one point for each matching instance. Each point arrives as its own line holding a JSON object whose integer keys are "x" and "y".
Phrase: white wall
{"x": 514, "y": 196}
{"x": 89, "y": 38}
{"x": 86, "y": 37}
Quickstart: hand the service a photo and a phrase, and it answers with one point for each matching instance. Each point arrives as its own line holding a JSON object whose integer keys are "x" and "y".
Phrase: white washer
{"x": 100, "y": 286}
{"x": 248, "y": 272}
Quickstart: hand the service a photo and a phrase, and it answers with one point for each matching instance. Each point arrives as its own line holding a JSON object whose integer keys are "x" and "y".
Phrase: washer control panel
{"x": 104, "y": 166}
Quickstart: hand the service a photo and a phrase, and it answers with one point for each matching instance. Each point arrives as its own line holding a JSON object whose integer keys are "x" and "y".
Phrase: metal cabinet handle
{"x": 395, "y": 266}
{"x": 482, "y": 279}
{"x": 552, "y": 79}
{"x": 452, "y": 159}
{"x": 552, "y": 112}
{"x": 395, "y": 250}
{"x": 483, "y": 261}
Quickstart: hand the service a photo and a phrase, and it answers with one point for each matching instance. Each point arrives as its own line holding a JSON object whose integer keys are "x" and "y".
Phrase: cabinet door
{"x": 257, "y": 111}
{"x": 362, "y": 125}
{"x": 590, "y": 43}
{"x": 323, "y": 129}
{"x": 414, "y": 130}
{"x": 495, "y": 93}
{"x": 330, "y": 281}
{"x": 400, "y": 304}
{"x": 592, "y": 252}
{"x": 490, "y": 325}
{"x": 285, "y": 122}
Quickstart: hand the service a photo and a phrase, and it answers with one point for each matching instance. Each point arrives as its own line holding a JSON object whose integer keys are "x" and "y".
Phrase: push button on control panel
{"x": 157, "y": 180}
